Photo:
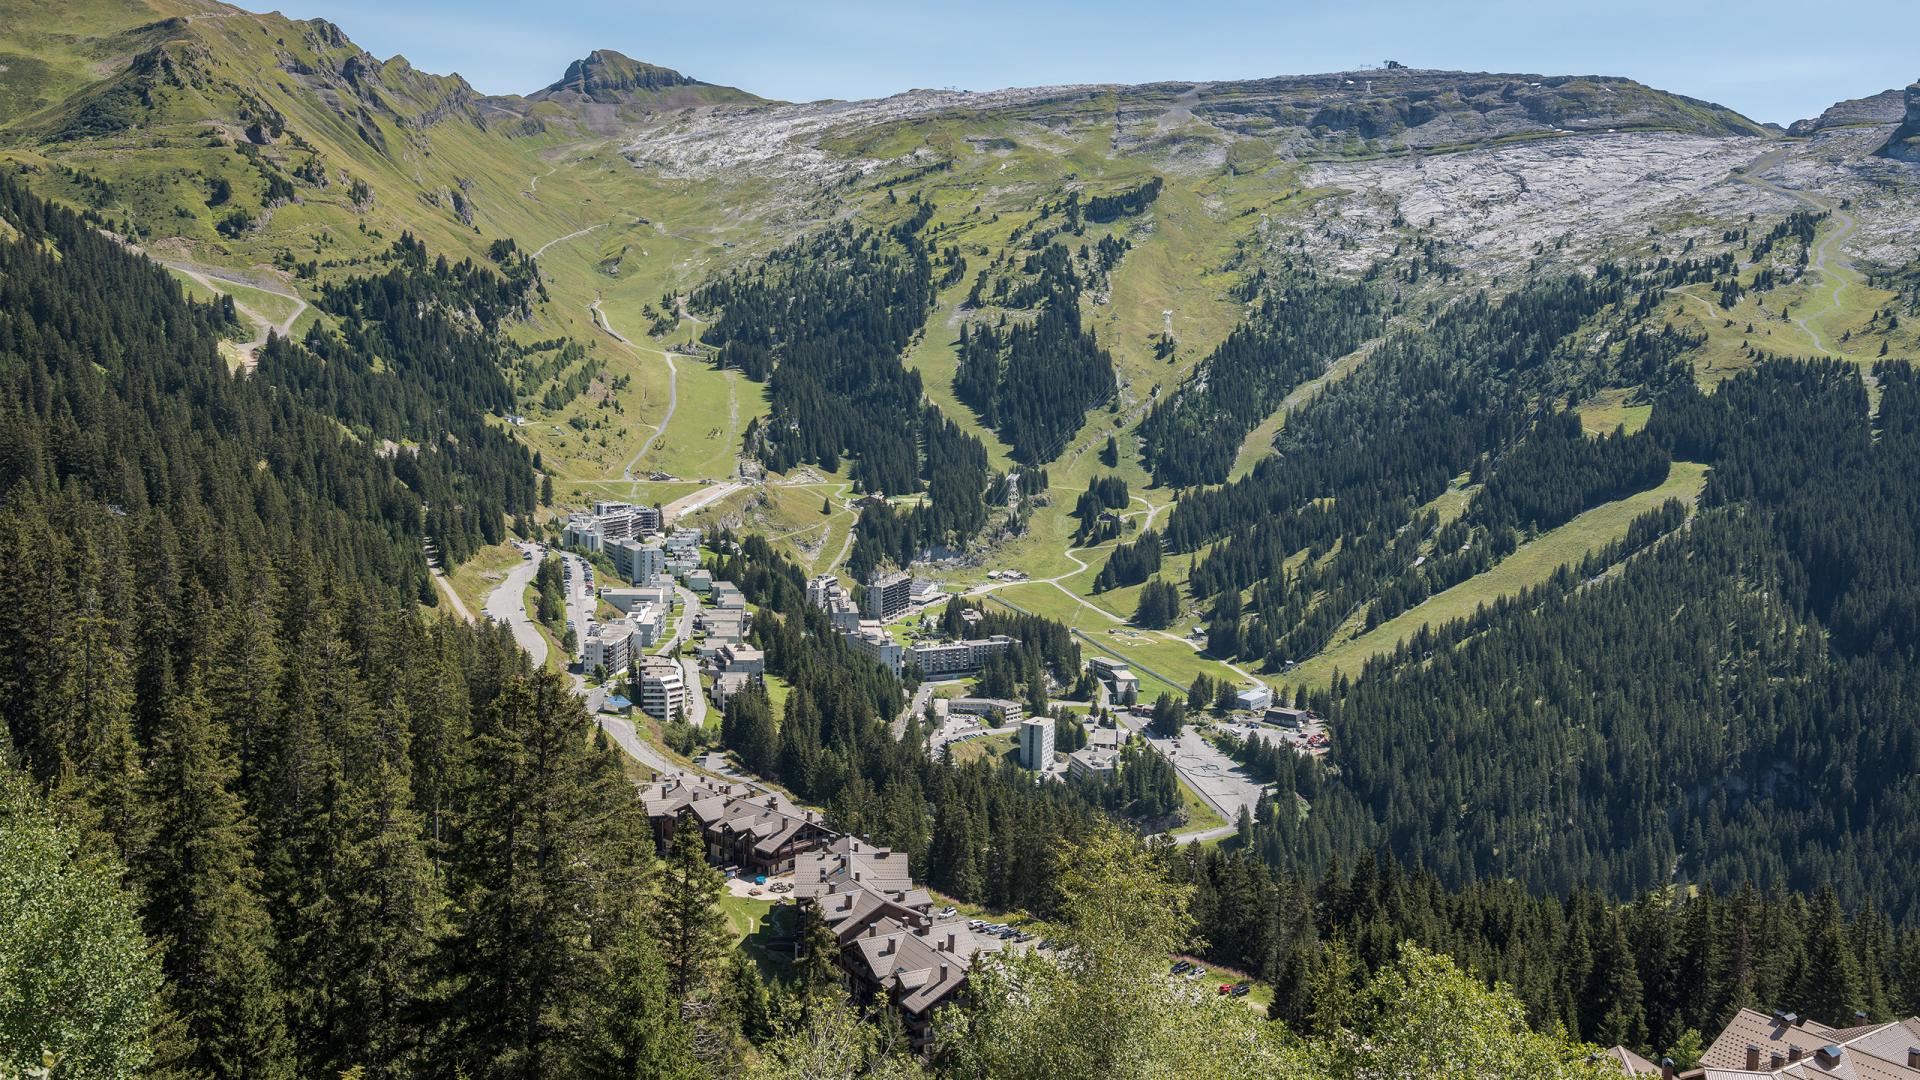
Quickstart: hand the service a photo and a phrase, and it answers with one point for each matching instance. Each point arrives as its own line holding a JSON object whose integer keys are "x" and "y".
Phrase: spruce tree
{"x": 548, "y": 855}
{"x": 1615, "y": 989}
{"x": 687, "y": 921}
{"x": 202, "y": 902}
{"x": 634, "y": 1031}
{"x": 1829, "y": 987}
{"x": 372, "y": 927}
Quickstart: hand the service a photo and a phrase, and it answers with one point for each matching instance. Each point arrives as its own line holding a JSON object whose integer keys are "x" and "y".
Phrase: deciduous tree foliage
{"x": 78, "y": 982}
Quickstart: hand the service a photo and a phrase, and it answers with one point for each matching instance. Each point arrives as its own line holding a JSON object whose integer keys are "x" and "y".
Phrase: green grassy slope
{"x": 1533, "y": 563}
{"x": 267, "y": 145}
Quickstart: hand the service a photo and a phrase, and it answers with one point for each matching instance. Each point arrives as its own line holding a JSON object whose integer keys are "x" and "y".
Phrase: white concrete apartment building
{"x": 639, "y": 563}
{"x": 608, "y": 648}
{"x": 999, "y": 710}
{"x": 1036, "y": 743}
{"x": 608, "y": 524}
{"x": 648, "y": 622}
{"x": 663, "y": 688}
{"x": 872, "y": 640}
{"x": 951, "y": 658}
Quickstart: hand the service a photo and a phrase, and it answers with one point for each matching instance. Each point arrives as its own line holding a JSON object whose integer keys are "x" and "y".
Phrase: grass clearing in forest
{"x": 1533, "y": 563}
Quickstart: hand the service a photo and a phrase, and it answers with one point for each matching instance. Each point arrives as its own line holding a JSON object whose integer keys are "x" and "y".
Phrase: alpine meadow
{"x": 1396, "y": 574}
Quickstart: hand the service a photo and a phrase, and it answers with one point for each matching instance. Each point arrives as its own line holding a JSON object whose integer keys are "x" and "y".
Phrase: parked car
{"x": 948, "y": 912}
{"x": 1197, "y": 973}
{"x": 1180, "y": 967}
{"x": 1241, "y": 990}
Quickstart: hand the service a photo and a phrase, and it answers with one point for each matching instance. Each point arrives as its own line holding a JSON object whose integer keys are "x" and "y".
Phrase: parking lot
{"x": 960, "y": 728}
{"x": 1309, "y": 738}
{"x": 1206, "y": 768}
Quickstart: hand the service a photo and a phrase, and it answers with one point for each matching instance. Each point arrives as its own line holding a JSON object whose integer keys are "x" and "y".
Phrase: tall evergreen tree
{"x": 1829, "y": 986}
{"x": 202, "y": 902}
{"x": 687, "y": 919}
{"x": 549, "y": 855}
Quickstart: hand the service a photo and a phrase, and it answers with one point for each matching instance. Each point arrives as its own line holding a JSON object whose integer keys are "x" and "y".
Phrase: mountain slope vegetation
{"x": 1238, "y": 375}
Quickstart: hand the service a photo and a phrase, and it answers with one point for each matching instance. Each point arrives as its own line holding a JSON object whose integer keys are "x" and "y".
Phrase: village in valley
{"x": 657, "y": 643}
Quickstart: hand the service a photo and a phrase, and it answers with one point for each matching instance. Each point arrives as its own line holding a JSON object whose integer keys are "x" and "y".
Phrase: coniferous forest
{"x": 1034, "y": 381}
{"x": 269, "y": 809}
{"x": 824, "y": 323}
{"x": 359, "y": 837}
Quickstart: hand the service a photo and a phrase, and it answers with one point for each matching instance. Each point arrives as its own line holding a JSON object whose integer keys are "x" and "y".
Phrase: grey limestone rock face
{"x": 1885, "y": 107}
{"x": 1904, "y": 145}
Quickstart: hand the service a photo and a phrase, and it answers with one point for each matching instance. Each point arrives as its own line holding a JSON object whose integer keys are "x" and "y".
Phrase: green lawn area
{"x": 998, "y": 746}
{"x": 755, "y": 922}
{"x": 1163, "y": 664}
{"x": 777, "y": 691}
{"x": 1609, "y": 410}
{"x": 1533, "y": 563}
{"x": 1201, "y": 815}
{"x": 744, "y": 914}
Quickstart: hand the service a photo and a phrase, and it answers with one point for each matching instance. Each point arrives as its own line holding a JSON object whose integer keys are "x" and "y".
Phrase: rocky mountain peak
{"x": 611, "y": 78}
{"x": 1886, "y": 107}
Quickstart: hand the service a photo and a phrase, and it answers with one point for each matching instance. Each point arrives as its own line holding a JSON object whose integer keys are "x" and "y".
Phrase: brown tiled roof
{"x": 849, "y": 863}
{"x": 920, "y": 968}
{"x": 1866, "y": 1052}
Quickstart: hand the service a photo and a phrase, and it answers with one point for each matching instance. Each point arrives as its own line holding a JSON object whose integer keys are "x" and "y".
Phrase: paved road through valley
{"x": 507, "y": 604}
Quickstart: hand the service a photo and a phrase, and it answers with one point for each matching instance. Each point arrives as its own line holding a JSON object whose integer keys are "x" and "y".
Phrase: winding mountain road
{"x": 673, "y": 387}
{"x": 507, "y": 604}
{"x": 542, "y": 249}
{"x": 1827, "y": 258}
{"x": 453, "y": 598}
{"x": 209, "y": 278}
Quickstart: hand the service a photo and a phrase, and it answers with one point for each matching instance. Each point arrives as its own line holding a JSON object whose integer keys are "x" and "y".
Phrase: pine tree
{"x": 1169, "y": 717}
{"x": 107, "y": 761}
{"x": 953, "y": 852}
{"x": 1200, "y": 694}
{"x": 243, "y": 688}
{"x": 1829, "y": 988}
{"x": 373, "y": 926}
{"x": 548, "y": 856}
{"x": 687, "y": 920}
{"x": 1615, "y": 988}
{"x": 202, "y": 902}
{"x": 635, "y": 1031}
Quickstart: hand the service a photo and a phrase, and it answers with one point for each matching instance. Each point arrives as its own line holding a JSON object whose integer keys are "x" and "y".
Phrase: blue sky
{"x": 1770, "y": 59}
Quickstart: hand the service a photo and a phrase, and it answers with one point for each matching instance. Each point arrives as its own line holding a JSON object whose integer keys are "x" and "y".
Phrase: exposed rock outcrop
{"x": 1905, "y": 143}
{"x": 609, "y": 78}
{"x": 1886, "y": 107}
